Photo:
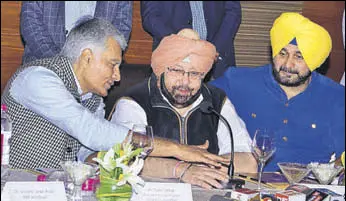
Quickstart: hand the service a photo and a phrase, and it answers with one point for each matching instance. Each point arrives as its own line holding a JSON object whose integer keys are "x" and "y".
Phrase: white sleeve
{"x": 242, "y": 140}
{"x": 128, "y": 112}
{"x": 83, "y": 153}
{"x": 43, "y": 92}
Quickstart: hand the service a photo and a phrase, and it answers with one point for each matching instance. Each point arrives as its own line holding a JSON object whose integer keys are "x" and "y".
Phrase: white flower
{"x": 130, "y": 174}
{"x": 108, "y": 161}
{"x": 118, "y": 157}
{"x": 127, "y": 149}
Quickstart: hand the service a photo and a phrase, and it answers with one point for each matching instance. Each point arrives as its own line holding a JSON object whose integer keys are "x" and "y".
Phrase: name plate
{"x": 164, "y": 192}
{"x": 34, "y": 191}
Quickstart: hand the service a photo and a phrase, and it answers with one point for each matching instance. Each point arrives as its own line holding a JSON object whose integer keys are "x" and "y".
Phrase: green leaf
{"x": 104, "y": 172}
{"x": 109, "y": 189}
{"x": 117, "y": 148}
{"x": 136, "y": 152}
{"x": 113, "y": 199}
{"x": 101, "y": 154}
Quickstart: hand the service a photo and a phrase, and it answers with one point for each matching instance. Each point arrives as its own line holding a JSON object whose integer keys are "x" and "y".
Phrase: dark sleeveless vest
{"x": 35, "y": 141}
{"x": 193, "y": 129}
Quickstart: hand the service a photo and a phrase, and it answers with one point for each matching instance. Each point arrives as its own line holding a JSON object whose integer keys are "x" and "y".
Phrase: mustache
{"x": 182, "y": 88}
{"x": 288, "y": 70}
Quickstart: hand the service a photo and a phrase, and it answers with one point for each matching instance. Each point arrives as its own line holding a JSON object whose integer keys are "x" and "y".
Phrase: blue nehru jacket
{"x": 309, "y": 127}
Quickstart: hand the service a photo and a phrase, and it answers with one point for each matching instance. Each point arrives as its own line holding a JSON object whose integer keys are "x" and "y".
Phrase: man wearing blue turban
{"x": 304, "y": 108}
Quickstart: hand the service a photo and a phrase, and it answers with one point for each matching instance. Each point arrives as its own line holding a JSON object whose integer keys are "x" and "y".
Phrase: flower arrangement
{"x": 119, "y": 169}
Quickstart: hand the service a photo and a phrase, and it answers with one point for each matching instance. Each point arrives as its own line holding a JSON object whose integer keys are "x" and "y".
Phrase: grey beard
{"x": 171, "y": 99}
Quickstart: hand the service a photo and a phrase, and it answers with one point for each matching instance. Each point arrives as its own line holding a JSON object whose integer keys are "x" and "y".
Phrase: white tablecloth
{"x": 198, "y": 194}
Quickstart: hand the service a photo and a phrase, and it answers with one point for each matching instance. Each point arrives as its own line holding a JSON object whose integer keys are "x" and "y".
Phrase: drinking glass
{"x": 5, "y": 173}
{"x": 143, "y": 138}
{"x": 325, "y": 172}
{"x": 294, "y": 172}
{"x": 78, "y": 172}
{"x": 263, "y": 147}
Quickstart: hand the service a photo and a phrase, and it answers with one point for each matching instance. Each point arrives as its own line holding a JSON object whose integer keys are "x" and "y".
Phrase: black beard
{"x": 172, "y": 100}
{"x": 301, "y": 78}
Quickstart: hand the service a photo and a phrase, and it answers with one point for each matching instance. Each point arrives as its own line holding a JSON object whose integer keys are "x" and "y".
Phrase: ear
{"x": 86, "y": 57}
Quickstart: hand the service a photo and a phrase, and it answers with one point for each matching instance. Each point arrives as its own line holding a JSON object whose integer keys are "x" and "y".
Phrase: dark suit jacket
{"x": 42, "y": 24}
{"x": 162, "y": 18}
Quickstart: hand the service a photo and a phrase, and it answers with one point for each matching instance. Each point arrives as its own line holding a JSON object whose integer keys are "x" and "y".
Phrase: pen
{"x": 41, "y": 171}
{"x": 36, "y": 171}
{"x": 251, "y": 179}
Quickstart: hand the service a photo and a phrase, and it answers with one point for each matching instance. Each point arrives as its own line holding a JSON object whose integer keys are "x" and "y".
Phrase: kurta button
{"x": 285, "y": 138}
{"x": 253, "y": 115}
{"x": 285, "y": 121}
{"x": 68, "y": 149}
{"x": 313, "y": 125}
{"x": 286, "y": 104}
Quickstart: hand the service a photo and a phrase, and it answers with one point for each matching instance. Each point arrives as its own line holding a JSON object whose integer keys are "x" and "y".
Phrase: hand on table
{"x": 205, "y": 177}
{"x": 89, "y": 159}
{"x": 199, "y": 153}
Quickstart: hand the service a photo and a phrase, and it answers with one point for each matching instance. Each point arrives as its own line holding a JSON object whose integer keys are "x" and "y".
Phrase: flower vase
{"x": 109, "y": 191}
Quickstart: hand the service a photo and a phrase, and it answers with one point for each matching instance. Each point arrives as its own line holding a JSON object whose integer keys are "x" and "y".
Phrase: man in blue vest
{"x": 303, "y": 107}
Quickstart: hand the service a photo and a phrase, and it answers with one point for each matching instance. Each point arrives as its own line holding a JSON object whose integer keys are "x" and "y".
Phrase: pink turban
{"x": 176, "y": 49}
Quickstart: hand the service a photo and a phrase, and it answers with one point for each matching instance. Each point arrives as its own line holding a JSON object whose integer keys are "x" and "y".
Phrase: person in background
{"x": 170, "y": 101}
{"x": 44, "y": 25}
{"x": 305, "y": 108}
{"x": 215, "y": 21}
{"x": 57, "y": 108}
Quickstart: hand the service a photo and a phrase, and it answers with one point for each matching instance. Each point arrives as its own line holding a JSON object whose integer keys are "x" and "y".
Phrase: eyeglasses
{"x": 193, "y": 75}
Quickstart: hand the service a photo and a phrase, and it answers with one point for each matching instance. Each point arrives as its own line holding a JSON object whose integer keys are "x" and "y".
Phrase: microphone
{"x": 207, "y": 107}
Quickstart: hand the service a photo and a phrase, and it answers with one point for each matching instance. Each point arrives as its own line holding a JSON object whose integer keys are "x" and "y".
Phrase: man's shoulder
{"x": 327, "y": 83}
{"x": 247, "y": 71}
{"x": 242, "y": 75}
{"x": 214, "y": 90}
{"x": 216, "y": 95}
{"x": 335, "y": 91}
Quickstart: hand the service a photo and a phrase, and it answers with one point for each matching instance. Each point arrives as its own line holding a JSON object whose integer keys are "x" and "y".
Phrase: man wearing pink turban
{"x": 303, "y": 107}
{"x": 170, "y": 102}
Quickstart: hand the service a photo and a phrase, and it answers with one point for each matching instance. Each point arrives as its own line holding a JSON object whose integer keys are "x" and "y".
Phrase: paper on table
{"x": 164, "y": 192}
{"x": 38, "y": 191}
{"x": 337, "y": 189}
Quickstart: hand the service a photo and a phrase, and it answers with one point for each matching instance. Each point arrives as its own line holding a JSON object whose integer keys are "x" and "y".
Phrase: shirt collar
{"x": 85, "y": 96}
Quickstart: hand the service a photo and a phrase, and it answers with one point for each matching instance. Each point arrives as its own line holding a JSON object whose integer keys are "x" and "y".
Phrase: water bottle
{"x": 6, "y": 132}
